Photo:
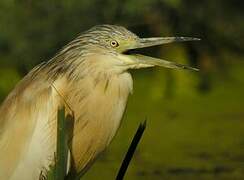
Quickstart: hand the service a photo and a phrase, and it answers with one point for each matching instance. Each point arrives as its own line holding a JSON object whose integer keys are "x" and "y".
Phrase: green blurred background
{"x": 195, "y": 120}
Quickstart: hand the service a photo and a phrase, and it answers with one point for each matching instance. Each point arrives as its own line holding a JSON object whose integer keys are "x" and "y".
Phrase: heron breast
{"x": 98, "y": 107}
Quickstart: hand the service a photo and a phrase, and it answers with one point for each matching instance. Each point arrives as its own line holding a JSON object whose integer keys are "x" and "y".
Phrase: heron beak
{"x": 154, "y": 41}
{"x": 140, "y": 61}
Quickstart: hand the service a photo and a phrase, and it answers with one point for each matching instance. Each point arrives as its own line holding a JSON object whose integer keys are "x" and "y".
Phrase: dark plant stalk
{"x": 62, "y": 146}
{"x": 59, "y": 170}
{"x": 131, "y": 151}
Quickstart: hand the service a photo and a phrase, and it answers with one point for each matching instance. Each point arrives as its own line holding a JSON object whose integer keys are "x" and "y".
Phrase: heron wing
{"x": 26, "y": 104}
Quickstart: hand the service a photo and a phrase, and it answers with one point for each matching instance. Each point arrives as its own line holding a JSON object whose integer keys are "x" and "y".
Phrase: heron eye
{"x": 114, "y": 43}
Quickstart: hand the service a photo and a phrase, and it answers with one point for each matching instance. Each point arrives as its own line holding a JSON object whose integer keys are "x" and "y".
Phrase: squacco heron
{"x": 90, "y": 76}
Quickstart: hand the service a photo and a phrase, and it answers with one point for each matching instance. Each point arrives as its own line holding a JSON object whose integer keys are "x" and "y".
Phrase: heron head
{"x": 117, "y": 40}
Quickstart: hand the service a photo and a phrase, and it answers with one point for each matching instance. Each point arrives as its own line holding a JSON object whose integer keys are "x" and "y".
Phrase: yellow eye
{"x": 114, "y": 43}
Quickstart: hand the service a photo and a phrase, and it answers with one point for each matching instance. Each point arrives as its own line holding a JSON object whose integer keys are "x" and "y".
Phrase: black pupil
{"x": 114, "y": 43}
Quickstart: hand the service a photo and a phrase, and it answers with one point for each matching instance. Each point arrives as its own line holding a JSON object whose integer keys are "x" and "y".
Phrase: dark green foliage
{"x": 58, "y": 170}
{"x": 62, "y": 146}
